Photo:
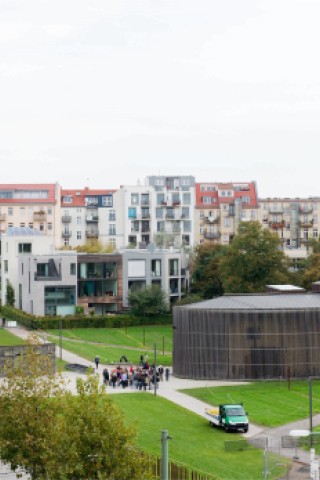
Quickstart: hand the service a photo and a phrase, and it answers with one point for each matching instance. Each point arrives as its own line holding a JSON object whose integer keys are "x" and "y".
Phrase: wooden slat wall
{"x": 245, "y": 344}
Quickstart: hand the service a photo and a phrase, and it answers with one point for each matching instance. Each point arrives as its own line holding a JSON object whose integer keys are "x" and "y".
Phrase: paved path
{"x": 170, "y": 390}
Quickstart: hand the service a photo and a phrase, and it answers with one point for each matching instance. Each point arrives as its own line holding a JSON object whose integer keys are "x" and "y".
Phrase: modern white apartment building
{"x": 173, "y": 210}
{"x": 88, "y": 215}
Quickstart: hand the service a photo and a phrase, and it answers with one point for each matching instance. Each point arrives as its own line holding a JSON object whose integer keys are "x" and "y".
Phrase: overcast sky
{"x": 105, "y": 92}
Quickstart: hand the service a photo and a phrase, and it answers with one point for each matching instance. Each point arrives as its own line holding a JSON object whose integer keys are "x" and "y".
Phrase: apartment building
{"x": 152, "y": 266}
{"x": 295, "y": 220}
{"x": 44, "y": 280}
{"x": 87, "y": 215}
{"x": 173, "y": 210}
{"x": 31, "y": 205}
{"x": 220, "y": 207}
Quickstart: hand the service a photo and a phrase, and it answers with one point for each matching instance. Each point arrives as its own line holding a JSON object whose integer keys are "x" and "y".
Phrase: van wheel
{"x": 246, "y": 429}
{"x": 226, "y": 428}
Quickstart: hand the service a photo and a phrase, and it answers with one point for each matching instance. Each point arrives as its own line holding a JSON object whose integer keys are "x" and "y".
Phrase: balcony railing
{"x": 306, "y": 224}
{"x": 39, "y": 216}
{"x": 92, "y": 218}
{"x": 274, "y": 210}
{"x": 212, "y": 220}
{"x": 276, "y": 225}
{"x": 66, "y": 234}
{"x": 66, "y": 218}
{"x": 211, "y": 235}
{"x": 92, "y": 234}
{"x": 170, "y": 217}
{"x": 305, "y": 210}
{"x": 176, "y": 204}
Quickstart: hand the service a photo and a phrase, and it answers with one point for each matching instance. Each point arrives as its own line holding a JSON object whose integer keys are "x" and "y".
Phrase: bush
{"x": 82, "y": 321}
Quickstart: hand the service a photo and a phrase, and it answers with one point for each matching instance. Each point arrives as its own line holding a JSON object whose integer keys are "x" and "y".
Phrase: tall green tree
{"x": 311, "y": 271}
{"x": 253, "y": 260}
{"x": 206, "y": 278}
{"x": 148, "y": 301}
{"x": 55, "y": 435}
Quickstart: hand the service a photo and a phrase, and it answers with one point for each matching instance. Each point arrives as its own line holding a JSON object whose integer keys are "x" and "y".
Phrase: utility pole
{"x": 164, "y": 470}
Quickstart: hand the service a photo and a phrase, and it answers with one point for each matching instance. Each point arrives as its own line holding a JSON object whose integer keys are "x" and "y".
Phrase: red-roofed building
{"x": 220, "y": 207}
{"x": 31, "y": 205}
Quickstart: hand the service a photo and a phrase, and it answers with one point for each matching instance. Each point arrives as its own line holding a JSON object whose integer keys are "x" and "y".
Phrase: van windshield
{"x": 235, "y": 412}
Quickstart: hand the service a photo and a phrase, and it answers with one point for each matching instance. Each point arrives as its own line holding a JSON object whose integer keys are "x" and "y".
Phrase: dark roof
{"x": 259, "y": 302}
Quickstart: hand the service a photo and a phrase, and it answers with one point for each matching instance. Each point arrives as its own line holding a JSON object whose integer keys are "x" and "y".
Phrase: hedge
{"x": 81, "y": 321}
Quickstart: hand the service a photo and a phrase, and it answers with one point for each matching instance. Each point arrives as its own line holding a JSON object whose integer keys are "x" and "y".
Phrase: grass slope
{"x": 9, "y": 339}
{"x": 268, "y": 403}
{"x": 194, "y": 443}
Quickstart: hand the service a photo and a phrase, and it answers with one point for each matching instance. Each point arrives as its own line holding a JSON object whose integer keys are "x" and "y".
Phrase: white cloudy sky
{"x": 105, "y": 92}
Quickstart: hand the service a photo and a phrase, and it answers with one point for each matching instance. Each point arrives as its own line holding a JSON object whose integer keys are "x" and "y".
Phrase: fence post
{"x": 164, "y": 469}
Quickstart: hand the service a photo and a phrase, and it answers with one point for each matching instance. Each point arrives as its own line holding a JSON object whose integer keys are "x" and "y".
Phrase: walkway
{"x": 171, "y": 391}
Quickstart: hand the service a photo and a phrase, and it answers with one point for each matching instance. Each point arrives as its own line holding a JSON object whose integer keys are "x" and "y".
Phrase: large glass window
{"x": 25, "y": 248}
{"x": 156, "y": 268}
{"x": 173, "y": 267}
{"x": 134, "y": 198}
{"x": 132, "y": 212}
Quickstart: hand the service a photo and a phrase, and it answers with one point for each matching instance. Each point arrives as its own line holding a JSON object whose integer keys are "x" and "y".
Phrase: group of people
{"x": 139, "y": 377}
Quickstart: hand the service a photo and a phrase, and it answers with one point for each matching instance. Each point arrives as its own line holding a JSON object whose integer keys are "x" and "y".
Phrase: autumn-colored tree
{"x": 55, "y": 435}
{"x": 206, "y": 279}
{"x": 253, "y": 260}
{"x": 311, "y": 272}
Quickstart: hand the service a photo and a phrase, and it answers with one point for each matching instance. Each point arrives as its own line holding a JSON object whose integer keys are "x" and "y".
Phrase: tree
{"x": 10, "y": 295}
{"x": 206, "y": 279}
{"x": 253, "y": 260}
{"x": 148, "y": 301}
{"x": 55, "y": 435}
{"x": 311, "y": 272}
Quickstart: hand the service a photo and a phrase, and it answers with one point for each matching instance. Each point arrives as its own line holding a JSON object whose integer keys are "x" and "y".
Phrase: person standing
{"x": 167, "y": 373}
{"x": 161, "y": 370}
{"x": 96, "y": 361}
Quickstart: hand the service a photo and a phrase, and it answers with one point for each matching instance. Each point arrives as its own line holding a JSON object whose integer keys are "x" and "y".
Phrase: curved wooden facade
{"x": 244, "y": 343}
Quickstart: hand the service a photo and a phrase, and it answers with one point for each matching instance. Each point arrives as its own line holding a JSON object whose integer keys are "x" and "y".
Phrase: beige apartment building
{"x": 220, "y": 207}
{"x": 295, "y": 220}
{"x": 31, "y": 205}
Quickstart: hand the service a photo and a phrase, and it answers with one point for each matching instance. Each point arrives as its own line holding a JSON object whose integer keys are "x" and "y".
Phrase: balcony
{"x": 275, "y": 211}
{"x": 305, "y": 210}
{"x": 92, "y": 218}
{"x": 164, "y": 203}
{"x": 211, "y": 235}
{"x": 306, "y": 223}
{"x": 170, "y": 217}
{"x": 40, "y": 216}
{"x": 145, "y": 216}
{"x": 66, "y": 234}
{"x": 66, "y": 218}
{"x": 212, "y": 220}
{"x": 276, "y": 225}
{"x": 92, "y": 234}
{"x": 176, "y": 204}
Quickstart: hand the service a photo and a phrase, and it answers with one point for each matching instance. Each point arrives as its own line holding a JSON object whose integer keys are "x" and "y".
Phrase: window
{"x": 187, "y": 226}
{"x": 134, "y": 198}
{"x": 160, "y": 226}
{"x": 22, "y": 211}
{"x": 185, "y": 182}
{"x": 112, "y": 242}
{"x": 206, "y": 200}
{"x": 79, "y": 236}
{"x": 10, "y": 211}
{"x": 24, "y": 248}
{"x": 245, "y": 199}
{"x": 173, "y": 267}
{"x": 6, "y": 266}
{"x": 315, "y": 233}
{"x": 201, "y": 229}
{"x": 22, "y": 224}
{"x": 49, "y": 226}
{"x": 41, "y": 227}
{"x": 67, "y": 199}
{"x": 185, "y": 212}
{"x": 112, "y": 229}
{"x": 112, "y": 215}
{"x": 227, "y": 222}
{"x": 49, "y": 211}
{"x": 30, "y": 225}
{"x": 186, "y": 198}
{"x": 201, "y": 214}
{"x": 132, "y": 212}
{"x": 160, "y": 198}
{"x": 156, "y": 268}
{"x": 73, "y": 269}
{"x": 78, "y": 220}
{"x": 159, "y": 212}
{"x": 107, "y": 201}
{"x": 145, "y": 199}
{"x": 202, "y": 188}
{"x": 91, "y": 201}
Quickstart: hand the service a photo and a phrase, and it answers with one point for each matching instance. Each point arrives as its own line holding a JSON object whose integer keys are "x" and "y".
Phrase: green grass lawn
{"x": 267, "y": 403}
{"x": 111, "y": 343}
{"x": 110, "y": 354}
{"x": 194, "y": 443}
{"x": 137, "y": 337}
{"x": 8, "y": 339}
